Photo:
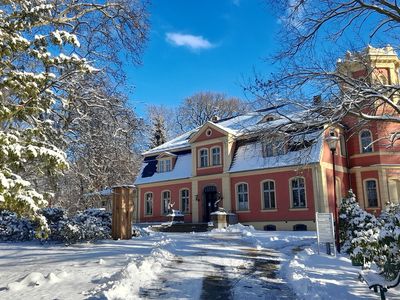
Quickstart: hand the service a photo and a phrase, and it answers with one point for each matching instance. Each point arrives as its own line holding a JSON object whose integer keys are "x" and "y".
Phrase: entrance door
{"x": 210, "y": 198}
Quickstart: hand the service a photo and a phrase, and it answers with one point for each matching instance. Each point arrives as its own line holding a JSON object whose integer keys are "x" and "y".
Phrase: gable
{"x": 207, "y": 132}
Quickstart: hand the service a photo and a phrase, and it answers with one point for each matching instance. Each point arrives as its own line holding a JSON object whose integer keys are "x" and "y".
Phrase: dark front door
{"x": 210, "y": 197}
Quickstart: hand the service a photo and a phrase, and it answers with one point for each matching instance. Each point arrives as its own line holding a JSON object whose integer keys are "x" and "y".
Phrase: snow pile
{"x": 13, "y": 228}
{"x": 140, "y": 273}
{"x": 35, "y": 279}
{"x": 314, "y": 276}
{"x": 247, "y": 233}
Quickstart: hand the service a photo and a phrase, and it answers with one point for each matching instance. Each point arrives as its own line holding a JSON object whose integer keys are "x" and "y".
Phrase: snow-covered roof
{"x": 249, "y": 157}
{"x": 180, "y": 142}
{"x": 237, "y": 126}
{"x": 181, "y": 170}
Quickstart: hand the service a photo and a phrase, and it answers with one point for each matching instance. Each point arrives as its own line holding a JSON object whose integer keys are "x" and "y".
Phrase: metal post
{"x": 335, "y": 200}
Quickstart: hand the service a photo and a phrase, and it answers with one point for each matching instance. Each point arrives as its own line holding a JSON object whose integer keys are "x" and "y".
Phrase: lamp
{"x": 332, "y": 141}
{"x": 196, "y": 197}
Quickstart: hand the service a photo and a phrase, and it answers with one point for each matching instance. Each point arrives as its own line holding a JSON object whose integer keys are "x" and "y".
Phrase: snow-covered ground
{"x": 224, "y": 264}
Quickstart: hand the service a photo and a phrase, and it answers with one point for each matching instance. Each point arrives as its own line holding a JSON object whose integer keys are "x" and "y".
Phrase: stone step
{"x": 182, "y": 227}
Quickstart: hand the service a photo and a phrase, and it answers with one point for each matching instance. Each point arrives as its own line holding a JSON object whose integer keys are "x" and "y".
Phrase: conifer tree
{"x": 40, "y": 60}
{"x": 158, "y": 137}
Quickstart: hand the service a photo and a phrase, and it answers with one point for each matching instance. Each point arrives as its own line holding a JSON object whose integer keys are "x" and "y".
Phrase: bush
{"x": 370, "y": 239}
{"x": 13, "y": 228}
{"x": 89, "y": 225}
{"x": 359, "y": 231}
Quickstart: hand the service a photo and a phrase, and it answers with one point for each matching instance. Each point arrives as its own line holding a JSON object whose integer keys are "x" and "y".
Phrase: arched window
{"x": 242, "y": 196}
{"x": 203, "y": 158}
{"x": 185, "y": 201}
{"x": 148, "y": 203}
{"x": 371, "y": 192}
{"x": 216, "y": 156}
{"x": 268, "y": 196}
{"x": 342, "y": 142}
{"x": 166, "y": 200}
{"x": 298, "y": 190}
{"x": 366, "y": 141}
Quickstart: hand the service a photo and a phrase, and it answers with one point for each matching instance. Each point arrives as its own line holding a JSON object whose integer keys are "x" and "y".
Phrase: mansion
{"x": 273, "y": 182}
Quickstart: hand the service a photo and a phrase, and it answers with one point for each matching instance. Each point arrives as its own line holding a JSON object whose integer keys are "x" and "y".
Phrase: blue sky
{"x": 208, "y": 45}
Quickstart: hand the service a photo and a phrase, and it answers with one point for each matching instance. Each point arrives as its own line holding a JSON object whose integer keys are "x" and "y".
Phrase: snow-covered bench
{"x": 377, "y": 280}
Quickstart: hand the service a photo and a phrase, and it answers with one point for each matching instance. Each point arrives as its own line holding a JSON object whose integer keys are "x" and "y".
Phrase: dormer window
{"x": 164, "y": 165}
{"x": 273, "y": 147}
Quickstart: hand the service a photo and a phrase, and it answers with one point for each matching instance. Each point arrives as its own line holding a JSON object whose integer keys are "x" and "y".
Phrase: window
{"x": 299, "y": 227}
{"x": 342, "y": 145}
{"x": 242, "y": 196}
{"x": 298, "y": 193}
{"x": 168, "y": 165}
{"x": 161, "y": 166}
{"x": 270, "y": 227}
{"x": 166, "y": 200}
{"x": 268, "y": 195}
{"x": 148, "y": 203}
{"x": 372, "y": 194}
{"x": 164, "y": 165}
{"x": 185, "y": 201}
{"x": 216, "y": 156}
{"x": 366, "y": 141}
{"x": 268, "y": 150}
{"x": 273, "y": 148}
{"x": 203, "y": 158}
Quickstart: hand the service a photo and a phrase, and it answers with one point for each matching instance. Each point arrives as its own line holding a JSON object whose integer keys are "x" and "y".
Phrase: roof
{"x": 181, "y": 170}
{"x": 236, "y": 126}
{"x": 249, "y": 156}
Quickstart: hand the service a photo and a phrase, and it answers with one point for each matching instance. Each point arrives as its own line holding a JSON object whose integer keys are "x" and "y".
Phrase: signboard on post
{"x": 325, "y": 229}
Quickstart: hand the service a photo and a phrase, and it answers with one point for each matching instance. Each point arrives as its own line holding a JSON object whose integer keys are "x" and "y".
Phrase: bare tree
{"x": 313, "y": 35}
{"x": 204, "y": 106}
{"x": 101, "y": 131}
{"x": 47, "y": 49}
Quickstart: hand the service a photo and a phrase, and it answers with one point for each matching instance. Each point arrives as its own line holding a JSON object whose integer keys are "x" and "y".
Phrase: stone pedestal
{"x": 219, "y": 219}
{"x": 176, "y": 216}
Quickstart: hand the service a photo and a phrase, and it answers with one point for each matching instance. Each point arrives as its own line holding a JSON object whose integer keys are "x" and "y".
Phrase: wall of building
{"x": 284, "y": 210}
{"x": 157, "y": 197}
{"x": 210, "y": 169}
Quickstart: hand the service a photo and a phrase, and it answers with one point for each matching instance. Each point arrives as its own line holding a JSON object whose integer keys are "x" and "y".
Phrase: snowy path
{"x": 245, "y": 265}
{"x": 220, "y": 266}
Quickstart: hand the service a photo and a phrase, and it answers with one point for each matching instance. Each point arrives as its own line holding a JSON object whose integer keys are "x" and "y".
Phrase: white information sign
{"x": 325, "y": 229}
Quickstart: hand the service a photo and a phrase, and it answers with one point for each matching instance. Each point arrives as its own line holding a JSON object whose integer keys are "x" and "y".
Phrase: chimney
{"x": 215, "y": 119}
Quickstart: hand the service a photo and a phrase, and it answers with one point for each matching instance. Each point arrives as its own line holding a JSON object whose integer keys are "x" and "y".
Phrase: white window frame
{"x": 371, "y": 146}
{"x": 365, "y": 181}
{"x": 146, "y": 200}
{"x": 206, "y": 158}
{"x": 164, "y": 206}
{"x": 298, "y": 189}
{"x": 239, "y": 194}
{"x": 184, "y": 198}
{"x": 213, "y": 155}
{"x": 164, "y": 165}
{"x": 269, "y": 191}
